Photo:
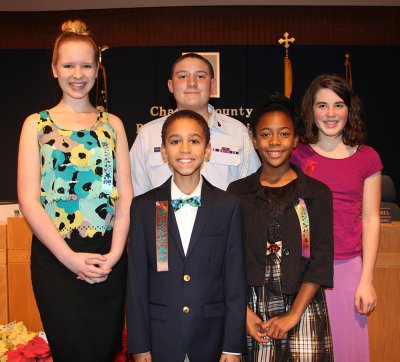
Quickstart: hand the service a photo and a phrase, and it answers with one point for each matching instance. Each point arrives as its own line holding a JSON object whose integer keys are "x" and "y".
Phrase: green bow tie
{"x": 178, "y": 203}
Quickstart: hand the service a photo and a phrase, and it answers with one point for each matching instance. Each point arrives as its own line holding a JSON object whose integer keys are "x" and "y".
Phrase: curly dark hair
{"x": 186, "y": 113}
{"x": 354, "y": 132}
{"x": 277, "y": 102}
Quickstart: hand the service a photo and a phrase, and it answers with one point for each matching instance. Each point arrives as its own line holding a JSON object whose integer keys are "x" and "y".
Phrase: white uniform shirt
{"x": 232, "y": 157}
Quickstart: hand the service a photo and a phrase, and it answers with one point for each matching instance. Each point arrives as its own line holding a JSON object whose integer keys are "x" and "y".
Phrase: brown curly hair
{"x": 354, "y": 132}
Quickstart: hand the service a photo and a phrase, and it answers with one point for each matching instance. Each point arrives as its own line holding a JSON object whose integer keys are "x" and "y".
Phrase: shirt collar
{"x": 251, "y": 184}
{"x": 215, "y": 120}
{"x": 176, "y": 193}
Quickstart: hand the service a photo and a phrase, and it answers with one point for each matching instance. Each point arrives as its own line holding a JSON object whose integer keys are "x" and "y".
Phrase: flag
{"x": 347, "y": 66}
{"x": 288, "y": 77}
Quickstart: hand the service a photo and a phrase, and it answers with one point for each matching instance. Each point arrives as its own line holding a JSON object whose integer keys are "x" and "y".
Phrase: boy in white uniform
{"x": 232, "y": 155}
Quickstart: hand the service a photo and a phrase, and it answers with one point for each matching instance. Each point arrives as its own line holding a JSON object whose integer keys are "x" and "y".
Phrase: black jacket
{"x": 198, "y": 306}
{"x": 318, "y": 269}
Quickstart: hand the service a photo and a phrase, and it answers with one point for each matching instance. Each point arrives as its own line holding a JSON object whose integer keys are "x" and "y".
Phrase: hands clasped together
{"x": 92, "y": 268}
{"x": 274, "y": 328}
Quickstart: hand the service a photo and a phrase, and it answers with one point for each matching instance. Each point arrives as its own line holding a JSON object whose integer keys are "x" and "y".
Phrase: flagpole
{"x": 101, "y": 83}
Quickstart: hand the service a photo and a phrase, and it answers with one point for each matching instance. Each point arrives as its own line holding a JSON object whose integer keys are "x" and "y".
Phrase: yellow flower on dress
{"x": 62, "y": 218}
{"x": 43, "y": 123}
{"x": 114, "y": 194}
{"x": 65, "y": 132}
{"x": 80, "y": 156}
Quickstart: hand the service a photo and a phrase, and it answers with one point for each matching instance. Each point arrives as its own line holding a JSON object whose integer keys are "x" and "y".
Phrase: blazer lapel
{"x": 173, "y": 231}
{"x": 203, "y": 213}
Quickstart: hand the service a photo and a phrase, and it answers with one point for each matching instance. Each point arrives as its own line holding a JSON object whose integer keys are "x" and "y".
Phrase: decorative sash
{"x": 302, "y": 214}
{"x": 162, "y": 235}
{"x": 107, "y": 158}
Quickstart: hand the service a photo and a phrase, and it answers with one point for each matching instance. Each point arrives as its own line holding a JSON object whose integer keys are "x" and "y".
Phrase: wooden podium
{"x": 3, "y": 274}
{"x": 20, "y": 301}
{"x": 383, "y": 324}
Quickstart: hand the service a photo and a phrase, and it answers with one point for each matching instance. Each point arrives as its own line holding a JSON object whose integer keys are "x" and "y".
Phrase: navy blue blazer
{"x": 198, "y": 306}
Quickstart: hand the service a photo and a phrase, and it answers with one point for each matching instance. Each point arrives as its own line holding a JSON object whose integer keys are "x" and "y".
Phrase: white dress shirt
{"x": 186, "y": 215}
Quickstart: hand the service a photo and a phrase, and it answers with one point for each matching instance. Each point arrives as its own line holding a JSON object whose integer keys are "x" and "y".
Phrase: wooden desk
{"x": 384, "y": 322}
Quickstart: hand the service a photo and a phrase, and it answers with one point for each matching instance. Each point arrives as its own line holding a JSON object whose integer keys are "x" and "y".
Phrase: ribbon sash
{"x": 302, "y": 214}
{"x": 162, "y": 235}
{"x": 108, "y": 164}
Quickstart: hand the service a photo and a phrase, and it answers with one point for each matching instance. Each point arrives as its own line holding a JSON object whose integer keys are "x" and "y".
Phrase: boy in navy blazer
{"x": 186, "y": 277}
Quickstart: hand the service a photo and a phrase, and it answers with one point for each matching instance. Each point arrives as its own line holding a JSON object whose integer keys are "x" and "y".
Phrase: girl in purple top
{"x": 333, "y": 152}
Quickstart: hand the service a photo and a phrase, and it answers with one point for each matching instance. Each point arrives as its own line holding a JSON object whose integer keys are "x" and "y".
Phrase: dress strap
{"x": 104, "y": 117}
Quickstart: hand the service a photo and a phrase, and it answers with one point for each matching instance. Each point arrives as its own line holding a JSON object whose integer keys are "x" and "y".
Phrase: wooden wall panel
{"x": 383, "y": 323}
{"x": 3, "y": 274}
{"x": 217, "y": 25}
{"x": 22, "y": 303}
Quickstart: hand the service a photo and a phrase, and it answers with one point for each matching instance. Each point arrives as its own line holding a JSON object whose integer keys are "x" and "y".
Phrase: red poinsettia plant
{"x": 35, "y": 350}
{"x": 121, "y": 356}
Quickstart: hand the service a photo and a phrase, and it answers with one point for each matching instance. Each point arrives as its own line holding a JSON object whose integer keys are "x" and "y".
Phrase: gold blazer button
{"x": 186, "y": 277}
{"x": 186, "y": 309}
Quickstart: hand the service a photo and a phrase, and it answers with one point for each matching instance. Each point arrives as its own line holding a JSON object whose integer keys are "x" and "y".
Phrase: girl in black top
{"x": 289, "y": 245}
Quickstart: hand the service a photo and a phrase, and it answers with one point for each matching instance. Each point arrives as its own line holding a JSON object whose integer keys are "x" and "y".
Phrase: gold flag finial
{"x": 286, "y": 40}
{"x": 347, "y": 67}
{"x": 287, "y": 65}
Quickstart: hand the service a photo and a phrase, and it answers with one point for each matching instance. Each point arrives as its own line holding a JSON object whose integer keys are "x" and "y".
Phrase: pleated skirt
{"x": 309, "y": 341}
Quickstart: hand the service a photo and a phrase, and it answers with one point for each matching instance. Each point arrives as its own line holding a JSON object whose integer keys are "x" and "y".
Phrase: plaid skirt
{"x": 310, "y": 340}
